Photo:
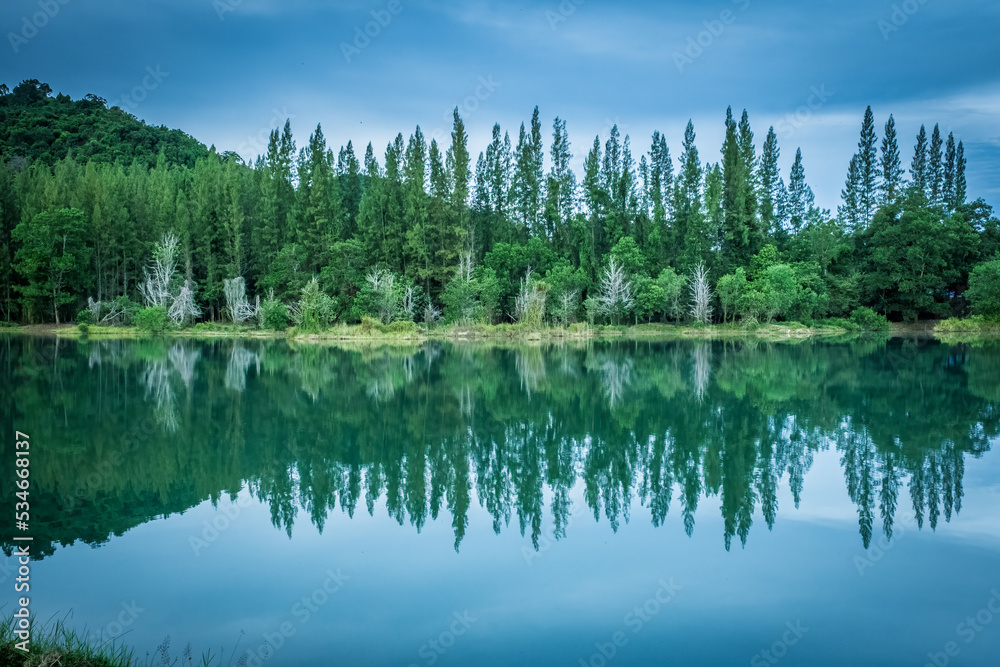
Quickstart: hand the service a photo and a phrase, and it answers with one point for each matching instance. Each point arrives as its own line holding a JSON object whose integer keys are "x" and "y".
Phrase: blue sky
{"x": 232, "y": 69}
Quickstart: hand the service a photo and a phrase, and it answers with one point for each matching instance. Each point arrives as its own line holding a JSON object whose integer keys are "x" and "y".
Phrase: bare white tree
{"x": 431, "y": 314}
{"x": 239, "y": 307}
{"x": 95, "y": 308}
{"x": 565, "y": 308}
{"x": 155, "y": 286}
{"x": 701, "y": 295}
{"x": 409, "y": 304}
{"x": 115, "y": 314}
{"x": 614, "y": 299}
{"x": 529, "y": 304}
{"x": 183, "y": 307}
{"x": 465, "y": 266}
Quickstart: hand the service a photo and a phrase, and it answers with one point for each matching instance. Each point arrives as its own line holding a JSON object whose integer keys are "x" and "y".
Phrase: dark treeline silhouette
{"x": 136, "y": 430}
{"x": 477, "y": 236}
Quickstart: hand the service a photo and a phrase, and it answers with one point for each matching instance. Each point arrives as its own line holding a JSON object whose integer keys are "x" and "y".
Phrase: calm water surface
{"x": 693, "y": 503}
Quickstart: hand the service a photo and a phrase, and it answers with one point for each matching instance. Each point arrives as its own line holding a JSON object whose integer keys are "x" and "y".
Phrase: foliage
{"x": 868, "y": 320}
{"x": 984, "y": 289}
{"x": 137, "y": 213}
{"x": 40, "y": 127}
{"x": 273, "y": 314}
{"x": 315, "y": 309}
{"x": 52, "y": 259}
{"x": 461, "y": 294}
{"x": 152, "y": 319}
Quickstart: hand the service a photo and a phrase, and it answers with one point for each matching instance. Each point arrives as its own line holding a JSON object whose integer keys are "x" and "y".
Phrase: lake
{"x": 591, "y": 503}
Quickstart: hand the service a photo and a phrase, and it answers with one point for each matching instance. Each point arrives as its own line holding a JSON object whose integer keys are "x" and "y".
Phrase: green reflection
{"x": 127, "y": 431}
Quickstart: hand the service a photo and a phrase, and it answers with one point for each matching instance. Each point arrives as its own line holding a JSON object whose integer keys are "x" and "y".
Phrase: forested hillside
{"x": 98, "y": 206}
{"x": 35, "y": 126}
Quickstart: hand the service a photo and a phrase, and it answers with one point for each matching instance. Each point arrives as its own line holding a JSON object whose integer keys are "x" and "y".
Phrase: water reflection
{"x": 143, "y": 429}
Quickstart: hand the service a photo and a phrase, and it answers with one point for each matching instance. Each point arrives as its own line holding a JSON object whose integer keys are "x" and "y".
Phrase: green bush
{"x": 371, "y": 325}
{"x": 274, "y": 315}
{"x": 84, "y": 328}
{"x": 153, "y": 319}
{"x": 317, "y": 309}
{"x": 85, "y": 316}
{"x": 983, "y": 294}
{"x": 840, "y": 322}
{"x": 868, "y": 320}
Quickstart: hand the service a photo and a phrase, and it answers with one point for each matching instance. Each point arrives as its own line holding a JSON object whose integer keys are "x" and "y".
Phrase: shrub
{"x": 85, "y": 316}
{"x": 983, "y": 294}
{"x": 273, "y": 315}
{"x": 84, "y": 328}
{"x": 402, "y": 327}
{"x": 316, "y": 308}
{"x": 868, "y": 320}
{"x": 152, "y": 319}
{"x": 371, "y": 325}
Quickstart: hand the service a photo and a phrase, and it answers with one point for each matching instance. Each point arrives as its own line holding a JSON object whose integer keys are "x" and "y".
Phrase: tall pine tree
{"x": 892, "y": 171}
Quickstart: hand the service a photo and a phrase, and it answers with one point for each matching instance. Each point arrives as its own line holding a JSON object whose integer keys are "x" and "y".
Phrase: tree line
{"x": 424, "y": 232}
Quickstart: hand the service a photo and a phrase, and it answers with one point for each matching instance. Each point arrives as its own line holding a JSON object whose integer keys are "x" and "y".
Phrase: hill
{"x": 34, "y": 125}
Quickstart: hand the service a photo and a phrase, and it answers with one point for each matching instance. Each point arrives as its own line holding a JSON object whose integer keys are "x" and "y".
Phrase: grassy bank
{"x": 54, "y": 643}
{"x": 411, "y": 332}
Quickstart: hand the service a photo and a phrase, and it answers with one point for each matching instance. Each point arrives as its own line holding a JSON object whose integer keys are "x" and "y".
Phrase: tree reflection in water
{"x": 438, "y": 427}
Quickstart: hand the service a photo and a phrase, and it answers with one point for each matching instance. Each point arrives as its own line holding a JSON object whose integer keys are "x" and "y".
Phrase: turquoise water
{"x": 690, "y": 503}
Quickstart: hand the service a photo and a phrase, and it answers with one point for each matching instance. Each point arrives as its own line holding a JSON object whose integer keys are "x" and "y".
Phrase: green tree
{"x": 52, "y": 259}
{"x": 983, "y": 294}
{"x": 935, "y": 169}
{"x": 770, "y": 185}
{"x": 918, "y": 166}
{"x": 892, "y": 172}
{"x": 905, "y": 268}
{"x": 692, "y": 240}
{"x": 868, "y": 169}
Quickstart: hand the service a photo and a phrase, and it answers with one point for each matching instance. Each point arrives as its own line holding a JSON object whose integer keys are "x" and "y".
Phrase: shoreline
{"x": 513, "y": 332}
